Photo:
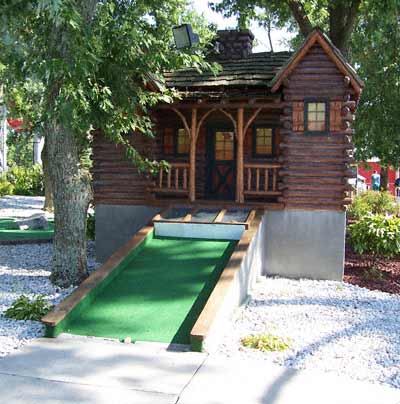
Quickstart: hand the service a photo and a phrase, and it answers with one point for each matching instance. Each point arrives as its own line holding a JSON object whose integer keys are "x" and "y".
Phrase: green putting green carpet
{"x": 159, "y": 293}
{"x": 7, "y": 234}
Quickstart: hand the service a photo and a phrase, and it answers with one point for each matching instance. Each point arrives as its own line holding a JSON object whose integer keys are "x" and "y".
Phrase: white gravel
{"x": 21, "y": 206}
{"x": 25, "y": 270}
{"x": 334, "y": 327}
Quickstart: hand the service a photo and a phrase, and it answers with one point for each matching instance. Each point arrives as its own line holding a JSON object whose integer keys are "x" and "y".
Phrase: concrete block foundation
{"x": 304, "y": 244}
{"x": 116, "y": 224}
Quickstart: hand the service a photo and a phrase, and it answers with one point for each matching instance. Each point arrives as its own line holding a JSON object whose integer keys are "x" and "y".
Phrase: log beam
{"x": 192, "y": 161}
{"x": 239, "y": 163}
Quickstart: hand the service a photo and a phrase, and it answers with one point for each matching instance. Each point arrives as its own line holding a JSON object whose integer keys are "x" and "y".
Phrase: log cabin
{"x": 271, "y": 131}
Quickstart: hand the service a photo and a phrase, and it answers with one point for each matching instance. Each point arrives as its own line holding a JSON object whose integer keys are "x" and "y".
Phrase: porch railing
{"x": 261, "y": 179}
{"x": 175, "y": 180}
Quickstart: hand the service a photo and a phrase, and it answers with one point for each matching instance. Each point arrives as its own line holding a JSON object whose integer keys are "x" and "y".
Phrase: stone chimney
{"x": 234, "y": 44}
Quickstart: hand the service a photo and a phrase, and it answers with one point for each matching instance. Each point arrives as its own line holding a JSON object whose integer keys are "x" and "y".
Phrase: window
{"x": 182, "y": 142}
{"x": 316, "y": 116}
{"x": 176, "y": 142}
{"x": 224, "y": 146}
{"x": 263, "y": 141}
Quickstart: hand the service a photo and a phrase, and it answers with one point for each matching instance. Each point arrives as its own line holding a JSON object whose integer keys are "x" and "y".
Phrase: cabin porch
{"x": 228, "y": 154}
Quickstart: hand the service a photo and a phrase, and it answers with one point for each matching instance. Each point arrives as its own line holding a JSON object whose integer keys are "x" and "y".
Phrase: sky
{"x": 260, "y": 34}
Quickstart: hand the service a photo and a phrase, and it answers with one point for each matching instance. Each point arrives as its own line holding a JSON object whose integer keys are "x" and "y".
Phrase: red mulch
{"x": 386, "y": 280}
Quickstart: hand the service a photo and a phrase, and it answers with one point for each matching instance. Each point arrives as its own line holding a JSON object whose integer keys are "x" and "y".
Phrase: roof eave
{"x": 317, "y": 36}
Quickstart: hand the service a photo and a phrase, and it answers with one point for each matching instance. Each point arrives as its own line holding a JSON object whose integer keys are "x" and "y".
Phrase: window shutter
{"x": 277, "y": 141}
{"x": 335, "y": 116}
{"x": 298, "y": 117}
{"x": 168, "y": 141}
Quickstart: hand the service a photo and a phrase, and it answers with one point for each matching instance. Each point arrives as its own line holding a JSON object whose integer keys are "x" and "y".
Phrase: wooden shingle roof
{"x": 258, "y": 69}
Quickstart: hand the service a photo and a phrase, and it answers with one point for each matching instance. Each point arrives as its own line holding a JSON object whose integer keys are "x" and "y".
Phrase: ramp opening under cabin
{"x": 161, "y": 285}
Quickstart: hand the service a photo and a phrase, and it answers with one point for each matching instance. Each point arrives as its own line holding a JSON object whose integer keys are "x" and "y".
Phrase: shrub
{"x": 26, "y": 180}
{"x": 6, "y": 188}
{"x": 25, "y": 309}
{"x": 378, "y": 235}
{"x": 90, "y": 226}
{"x": 266, "y": 342}
{"x": 373, "y": 202}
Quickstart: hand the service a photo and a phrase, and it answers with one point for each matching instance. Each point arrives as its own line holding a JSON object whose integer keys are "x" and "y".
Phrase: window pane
{"x": 224, "y": 146}
{"x": 318, "y": 126}
{"x": 312, "y": 116}
{"x": 182, "y": 142}
{"x": 264, "y": 141}
{"x": 316, "y": 117}
{"x": 312, "y": 106}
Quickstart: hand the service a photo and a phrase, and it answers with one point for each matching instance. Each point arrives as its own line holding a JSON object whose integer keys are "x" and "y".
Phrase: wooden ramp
{"x": 206, "y": 215}
{"x": 203, "y": 222}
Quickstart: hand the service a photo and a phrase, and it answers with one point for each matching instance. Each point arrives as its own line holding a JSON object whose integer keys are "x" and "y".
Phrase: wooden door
{"x": 221, "y": 164}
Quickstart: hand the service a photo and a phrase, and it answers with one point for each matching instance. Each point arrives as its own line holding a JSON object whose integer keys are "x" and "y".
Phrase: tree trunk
{"x": 72, "y": 194}
{"x": 384, "y": 178}
{"x": 48, "y": 190}
{"x": 70, "y": 183}
{"x": 342, "y": 20}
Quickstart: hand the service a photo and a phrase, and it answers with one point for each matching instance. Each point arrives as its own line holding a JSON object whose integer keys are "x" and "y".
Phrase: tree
{"x": 337, "y": 17}
{"x": 376, "y": 51}
{"x": 98, "y": 62}
{"x": 25, "y": 100}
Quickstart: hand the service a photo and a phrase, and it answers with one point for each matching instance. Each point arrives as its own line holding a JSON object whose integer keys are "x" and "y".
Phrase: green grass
{"x": 7, "y": 234}
{"x": 159, "y": 293}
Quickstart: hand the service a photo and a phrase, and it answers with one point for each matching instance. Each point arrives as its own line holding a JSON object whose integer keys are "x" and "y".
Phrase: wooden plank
{"x": 192, "y": 166}
{"x": 180, "y": 221}
{"x": 185, "y": 178}
{"x": 248, "y": 178}
{"x": 250, "y": 218}
{"x": 274, "y": 179}
{"x": 239, "y": 156}
{"x": 189, "y": 216}
{"x": 257, "y": 179}
{"x": 220, "y": 216}
{"x": 169, "y": 178}
{"x": 262, "y": 165}
{"x": 170, "y": 191}
{"x": 263, "y": 193}
{"x": 205, "y": 321}
{"x": 230, "y": 105}
{"x": 176, "y": 177}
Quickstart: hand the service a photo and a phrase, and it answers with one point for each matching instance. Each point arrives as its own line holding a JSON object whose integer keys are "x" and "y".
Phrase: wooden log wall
{"x": 316, "y": 167}
{"x": 116, "y": 181}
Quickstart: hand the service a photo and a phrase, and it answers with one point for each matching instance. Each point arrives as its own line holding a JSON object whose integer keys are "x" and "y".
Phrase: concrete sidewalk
{"x": 82, "y": 370}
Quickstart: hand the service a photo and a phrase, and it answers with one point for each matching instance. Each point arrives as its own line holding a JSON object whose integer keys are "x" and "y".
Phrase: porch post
{"x": 239, "y": 157}
{"x": 192, "y": 161}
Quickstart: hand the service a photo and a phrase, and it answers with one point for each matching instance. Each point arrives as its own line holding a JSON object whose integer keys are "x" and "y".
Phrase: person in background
{"x": 375, "y": 181}
{"x": 397, "y": 185}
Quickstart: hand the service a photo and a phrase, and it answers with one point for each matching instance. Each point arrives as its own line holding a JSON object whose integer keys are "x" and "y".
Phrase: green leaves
{"x": 376, "y": 234}
{"x": 376, "y": 50}
{"x": 266, "y": 342}
{"x": 373, "y": 202}
{"x": 25, "y": 309}
{"x": 94, "y": 62}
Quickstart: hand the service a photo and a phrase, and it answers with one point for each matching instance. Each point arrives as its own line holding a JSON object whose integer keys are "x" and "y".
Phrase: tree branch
{"x": 342, "y": 20}
{"x": 300, "y": 15}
